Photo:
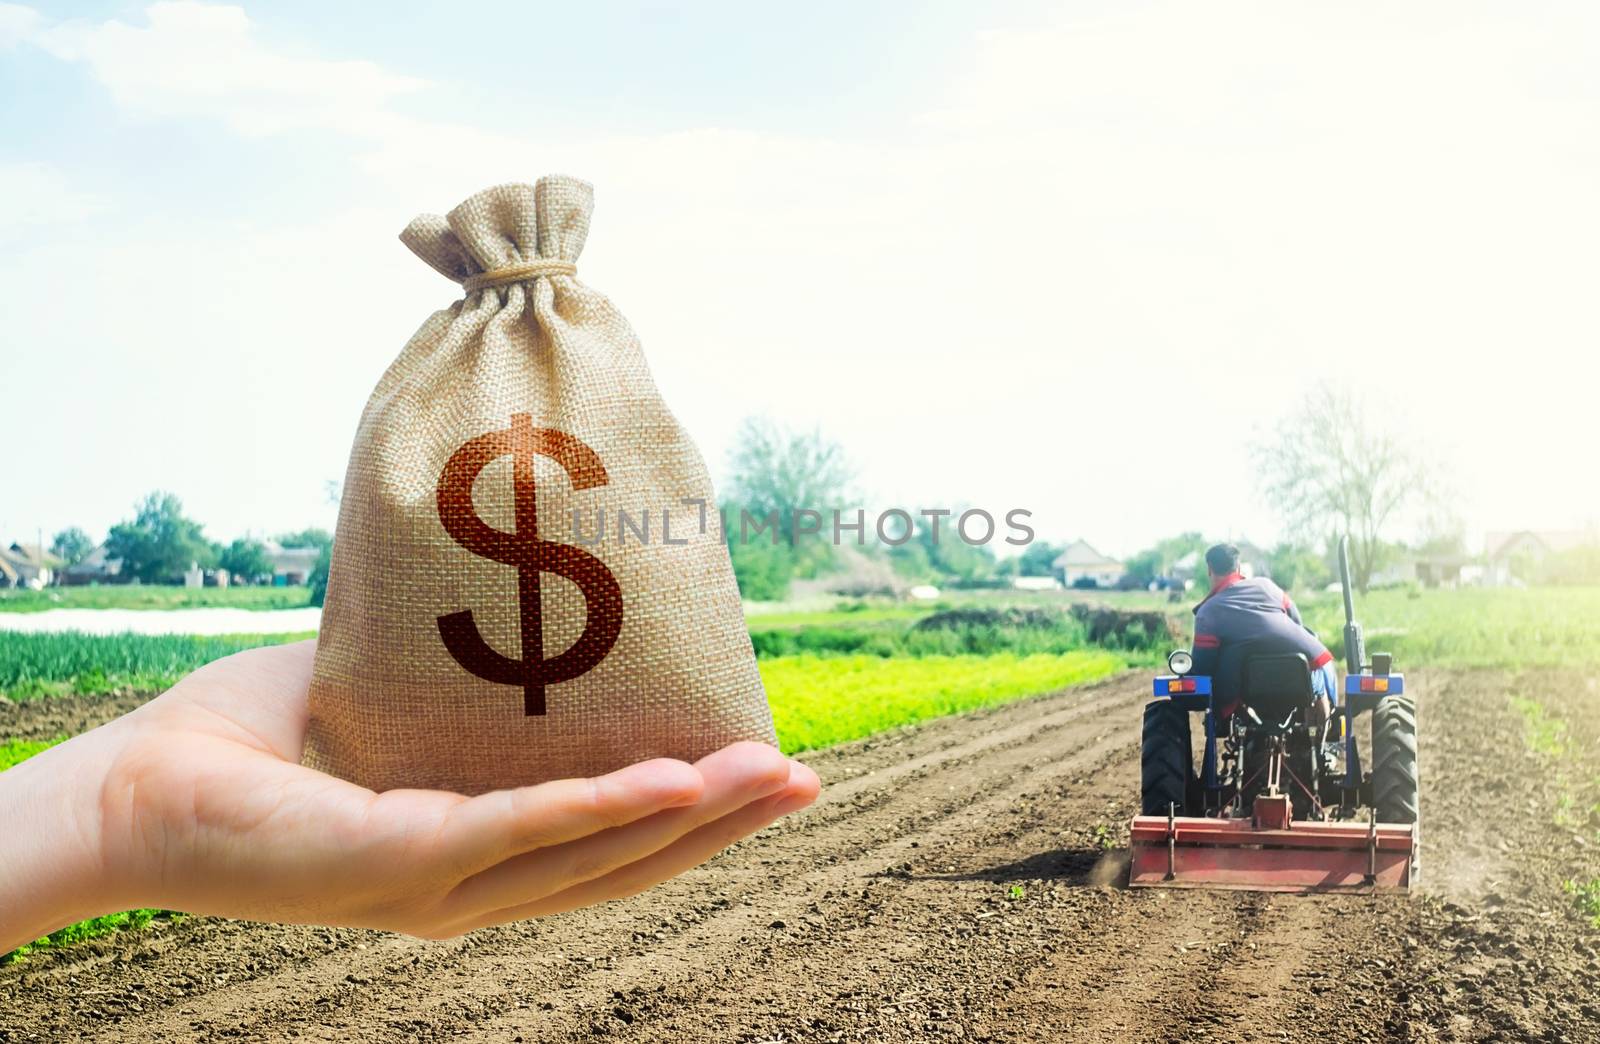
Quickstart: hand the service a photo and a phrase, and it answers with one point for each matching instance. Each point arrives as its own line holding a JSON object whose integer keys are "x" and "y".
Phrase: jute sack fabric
{"x": 470, "y": 639}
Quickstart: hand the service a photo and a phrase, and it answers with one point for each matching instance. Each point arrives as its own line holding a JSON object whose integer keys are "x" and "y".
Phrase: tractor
{"x": 1280, "y": 803}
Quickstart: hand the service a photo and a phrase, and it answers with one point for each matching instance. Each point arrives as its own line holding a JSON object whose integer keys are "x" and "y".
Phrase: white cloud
{"x": 33, "y": 194}
{"x": 17, "y": 23}
{"x": 1112, "y": 249}
{"x": 200, "y": 60}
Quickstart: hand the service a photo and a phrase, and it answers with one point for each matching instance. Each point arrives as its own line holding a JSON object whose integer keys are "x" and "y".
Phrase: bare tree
{"x": 1330, "y": 468}
{"x": 776, "y": 470}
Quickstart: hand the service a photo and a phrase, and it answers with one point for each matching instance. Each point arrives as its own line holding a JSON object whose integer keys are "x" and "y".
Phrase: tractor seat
{"x": 1277, "y": 685}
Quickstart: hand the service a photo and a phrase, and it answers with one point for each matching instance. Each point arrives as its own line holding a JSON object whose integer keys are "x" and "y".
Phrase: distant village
{"x": 1509, "y": 559}
{"x": 35, "y": 567}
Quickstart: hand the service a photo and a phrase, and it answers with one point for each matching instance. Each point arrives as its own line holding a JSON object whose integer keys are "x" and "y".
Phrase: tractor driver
{"x": 1252, "y": 615}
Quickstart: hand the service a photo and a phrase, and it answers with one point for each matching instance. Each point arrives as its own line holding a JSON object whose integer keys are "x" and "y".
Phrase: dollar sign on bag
{"x": 531, "y": 555}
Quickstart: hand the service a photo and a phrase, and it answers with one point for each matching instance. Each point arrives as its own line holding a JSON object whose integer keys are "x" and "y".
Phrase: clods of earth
{"x": 959, "y": 881}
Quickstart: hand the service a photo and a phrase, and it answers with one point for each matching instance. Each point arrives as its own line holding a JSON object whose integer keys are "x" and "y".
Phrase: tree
{"x": 246, "y": 559}
{"x": 72, "y": 545}
{"x": 952, "y": 557}
{"x": 911, "y": 561}
{"x": 1331, "y": 469}
{"x": 763, "y": 570}
{"x": 1296, "y": 565}
{"x": 1145, "y": 566}
{"x": 1159, "y": 560}
{"x": 776, "y": 470}
{"x": 1173, "y": 549}
{"x": 1444, "y": 537}
{"x": 1039, "y": 559}
{"x": 159, "y": 544}
{"x": 311, "y": 537}
{"x": 1578, "y": 565}
{"x": 318, "y": 580}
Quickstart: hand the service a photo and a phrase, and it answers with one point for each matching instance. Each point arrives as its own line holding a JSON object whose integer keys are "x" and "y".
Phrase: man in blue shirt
{"x": 1245, "y": 616}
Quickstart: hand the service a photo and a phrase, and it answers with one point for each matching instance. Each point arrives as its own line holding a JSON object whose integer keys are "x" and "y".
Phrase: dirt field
{"x": 952, "y": 884}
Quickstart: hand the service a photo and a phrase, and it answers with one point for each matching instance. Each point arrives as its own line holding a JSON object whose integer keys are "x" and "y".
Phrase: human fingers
{"x": 483, "y": 831}
{"x": 734, "y": 777}
{"x": 687, "y": 852}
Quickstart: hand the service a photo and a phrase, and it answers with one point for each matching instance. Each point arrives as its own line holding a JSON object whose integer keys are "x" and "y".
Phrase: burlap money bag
{"x": 470, "y": 639}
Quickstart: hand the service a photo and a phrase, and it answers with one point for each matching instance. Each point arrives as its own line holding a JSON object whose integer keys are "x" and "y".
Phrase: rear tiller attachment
{"x": 1270, "y": 852}
{"x": 1277, "y": 802}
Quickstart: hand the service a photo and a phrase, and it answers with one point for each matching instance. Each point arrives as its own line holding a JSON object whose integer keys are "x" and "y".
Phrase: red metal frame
{"x": 1270, "y": 853}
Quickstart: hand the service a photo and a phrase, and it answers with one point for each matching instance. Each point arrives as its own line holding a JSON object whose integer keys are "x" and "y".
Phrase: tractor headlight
{"x": 1180, "y": 661}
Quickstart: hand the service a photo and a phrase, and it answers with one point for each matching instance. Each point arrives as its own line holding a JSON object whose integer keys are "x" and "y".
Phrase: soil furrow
{"x": 959, "y": 881}
{"x": 900, "y": 770}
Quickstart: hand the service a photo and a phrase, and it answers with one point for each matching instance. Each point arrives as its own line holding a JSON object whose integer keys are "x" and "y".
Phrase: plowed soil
{"x": 957, "y": 881}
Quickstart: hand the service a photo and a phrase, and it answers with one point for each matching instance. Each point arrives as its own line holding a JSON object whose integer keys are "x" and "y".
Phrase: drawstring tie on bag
{"x": 518, "y": 274}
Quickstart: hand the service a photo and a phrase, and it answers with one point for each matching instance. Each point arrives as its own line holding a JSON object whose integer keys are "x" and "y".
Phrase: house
{"x": 291, "y": 565}
{"x": 1191, "y": 568}
{"x": 1253, "y": 559}
{"x": 1082, "y": 566}
{"x": 1511, "y": 557}
{"x": 28, "y": 565}
{"x": 1430, "y": 569}
{"x": 97, "y": 567}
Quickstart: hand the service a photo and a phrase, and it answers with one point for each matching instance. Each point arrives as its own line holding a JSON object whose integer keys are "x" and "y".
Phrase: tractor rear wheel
{"x": 1166, "y": 759}
{"x": 1395, "y": 791}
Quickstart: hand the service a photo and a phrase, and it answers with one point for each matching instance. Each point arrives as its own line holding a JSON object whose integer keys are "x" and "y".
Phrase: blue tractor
{"x": 1278, "y": 801}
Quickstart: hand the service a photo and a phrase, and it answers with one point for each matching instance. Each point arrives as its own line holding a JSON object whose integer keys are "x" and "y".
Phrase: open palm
{"x": 204, "y": 807}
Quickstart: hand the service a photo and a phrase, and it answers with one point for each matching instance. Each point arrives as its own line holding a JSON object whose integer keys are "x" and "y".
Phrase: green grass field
{"x": 15, "y": 750}
{"x": 1532, "y": 627}
{"x": 1469, "y": 628}
{"x": 834, "y": 676}
{"x": 819, "y": 701}
{"x": 816, "y": 702}
{"x": 93, "y": 927}
{"x": 153, "y": 596}
{"x": 857, "y": 633}
{"x": 34, "y": 665}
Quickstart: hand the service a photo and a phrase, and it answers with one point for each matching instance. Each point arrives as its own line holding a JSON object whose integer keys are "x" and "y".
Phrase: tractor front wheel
{"x": 1395, "y": 791}
{"x": 1166, "y": 759}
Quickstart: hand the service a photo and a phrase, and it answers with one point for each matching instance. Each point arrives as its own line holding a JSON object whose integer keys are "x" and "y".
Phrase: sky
{"x": 1076, "y": 258}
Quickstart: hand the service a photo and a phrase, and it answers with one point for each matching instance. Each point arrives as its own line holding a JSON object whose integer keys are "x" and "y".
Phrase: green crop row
{"x": 1474, "y": 627}
{"x": 152, "y": 596}
{"x": 1586, "y": 895}
{"x": 815, "y": 702}
{"x": 13, "y": 751}
{"x": 94, "y": 926}
{"x": 819, "y": 701}
{"x": 1066, "y": 635}
{"x": 34, "y": 665}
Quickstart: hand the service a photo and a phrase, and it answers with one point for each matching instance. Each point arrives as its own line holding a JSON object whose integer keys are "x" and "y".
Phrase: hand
{"x": 197, "y": 802}
{"x": 1321, "y": 714}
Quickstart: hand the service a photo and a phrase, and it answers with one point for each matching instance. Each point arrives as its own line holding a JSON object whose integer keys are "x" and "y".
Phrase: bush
{"x": 1581, "y": 565}
{"x": 837, "y": 640}
{"x": 864, "y": 575}
{"x": 318, "y": 580}
{"x": 975, "y": 631}
{"x": 762, "y": 570}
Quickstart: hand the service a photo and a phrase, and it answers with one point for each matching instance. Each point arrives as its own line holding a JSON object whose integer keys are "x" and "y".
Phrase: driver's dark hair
{"x": 1223, "y": 559}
